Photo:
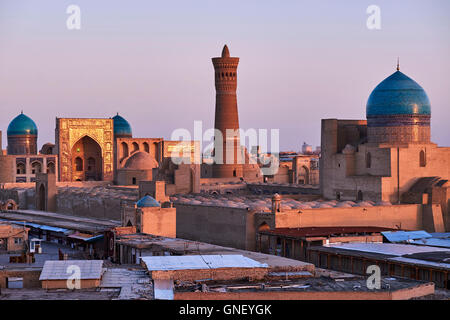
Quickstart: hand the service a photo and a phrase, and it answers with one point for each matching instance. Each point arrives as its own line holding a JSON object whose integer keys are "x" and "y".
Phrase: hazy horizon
{"x": 300, "y": 62}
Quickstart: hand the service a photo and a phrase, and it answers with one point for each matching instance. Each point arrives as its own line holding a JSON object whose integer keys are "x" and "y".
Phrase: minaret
{"x": 228, "y": 155}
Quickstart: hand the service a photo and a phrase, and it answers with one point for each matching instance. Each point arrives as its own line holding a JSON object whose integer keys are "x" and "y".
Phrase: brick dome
{"x": 141, "y": 161}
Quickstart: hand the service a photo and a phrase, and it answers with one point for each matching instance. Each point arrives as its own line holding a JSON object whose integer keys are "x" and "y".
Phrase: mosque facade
{"x": 88, "y": 149}
{"x": 390, "y": 154}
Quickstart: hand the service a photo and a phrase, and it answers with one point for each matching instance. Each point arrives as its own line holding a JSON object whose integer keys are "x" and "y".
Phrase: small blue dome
{"x": 148, "y": 201}
{"x": 121, "y": 126}
{"x": 398, "y": 94}
{"x": 22, "y": 125}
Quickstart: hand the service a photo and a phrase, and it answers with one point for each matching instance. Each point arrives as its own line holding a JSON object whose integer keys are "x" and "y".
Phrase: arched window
{"x": 21, "y": 169}
{"x": 368, "y": 160}
{"x": 124, "y": 150}
{"x": 78, "y": 164}
{"x": 135, "y": 147}
{"x": 146, "y": 147}
{"x": 50, "y": 167}
{"x": 36, "y": 167}
{"x": 422, "y": 159}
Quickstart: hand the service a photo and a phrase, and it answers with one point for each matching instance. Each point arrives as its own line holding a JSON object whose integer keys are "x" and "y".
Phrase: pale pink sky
{"x": 301, "y": 61}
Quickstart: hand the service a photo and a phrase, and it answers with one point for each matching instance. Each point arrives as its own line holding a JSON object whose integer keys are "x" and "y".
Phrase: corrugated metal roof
{"x": 163, "y": 289}
{"x": 38, "y": 226}
{"x": 422, "y": 262}
{"x": 86, "y": 237}
{"x": 440, "y": 234}
{"x": 399, "y": 236}
{"x": 196, "y": 262}
{"x": 59, "y": 270}
{"x": 434, "y": 242}
{"x": 323, "y": 231}
{"x": 386, "y": 248}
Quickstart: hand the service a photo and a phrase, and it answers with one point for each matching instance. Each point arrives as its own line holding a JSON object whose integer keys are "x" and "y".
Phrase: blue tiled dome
{"x": 398, "y": 95}
{"x": 148, "y": 201}
{"x": 121, "y": 126}
{"x": 22, "y": 125}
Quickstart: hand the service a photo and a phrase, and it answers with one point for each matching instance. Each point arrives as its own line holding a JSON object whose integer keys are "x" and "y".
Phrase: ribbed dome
{"x": 141, "y": 161}
{"x": 22, "y": 125}
{"x": 398, "y": 95}
{"x": 121, "y": 126}
{"x": 147, "y": 202}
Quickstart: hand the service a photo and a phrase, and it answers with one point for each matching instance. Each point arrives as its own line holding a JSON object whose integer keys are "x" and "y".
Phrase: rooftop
{"x": 196, "y": 262}
{"x": 58, "y": 270}
{"x": 323, "y": 231}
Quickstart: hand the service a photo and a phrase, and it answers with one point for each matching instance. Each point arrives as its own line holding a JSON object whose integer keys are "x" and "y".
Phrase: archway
{"x": 125, "y": 152}
{"x": 263, "y": 240}
{"x": 135, "y": 147}
{"x": 87, "y": 161}
{"x": 36, "y": 167}
{"x": 10, "y": 204}
{"x": 146, "y": 147}
{"x": 51, "y": 167}
{"x": 21, "y": 168}
{"x": 303, "y": 175}
{"x": 41, "y": 203}
{"x": 422, "y": 159}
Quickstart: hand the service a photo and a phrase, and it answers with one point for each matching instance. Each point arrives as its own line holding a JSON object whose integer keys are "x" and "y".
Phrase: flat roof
{"x": 199, "y": 262}
{"x": 433, "y": 242}
{"x": 398, "y": 236}
{"x": 322, "y": 231}
{"x": 392, "y": 249}
{"x": 62, "y": 270}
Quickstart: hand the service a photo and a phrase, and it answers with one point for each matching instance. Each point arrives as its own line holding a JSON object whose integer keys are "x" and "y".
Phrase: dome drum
{"x": 122, "y": 128}
{"x": 22, "y": 136}
{"x": 398, "y": 111}
{"x": 399, "y": 120}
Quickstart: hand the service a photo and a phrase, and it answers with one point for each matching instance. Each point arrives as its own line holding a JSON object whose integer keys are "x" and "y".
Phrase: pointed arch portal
{"x": 87, "y": 160}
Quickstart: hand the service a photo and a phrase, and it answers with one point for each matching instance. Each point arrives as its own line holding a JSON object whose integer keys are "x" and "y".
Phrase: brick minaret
{"x": 227, "y": 117}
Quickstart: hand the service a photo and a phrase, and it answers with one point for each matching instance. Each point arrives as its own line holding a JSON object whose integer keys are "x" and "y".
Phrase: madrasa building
{"x": 388, "y": 157}
{"x": 87, "y": 149}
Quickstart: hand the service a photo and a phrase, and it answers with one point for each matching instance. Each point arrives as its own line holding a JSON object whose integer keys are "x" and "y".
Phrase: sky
{"x": 300, "y": 62}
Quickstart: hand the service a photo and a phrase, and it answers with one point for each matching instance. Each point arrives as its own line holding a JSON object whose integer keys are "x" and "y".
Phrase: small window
{"x": 368, "y": 160}
{"x": 360, "y": 196}
{"x": 422, "y": 159}
{"x": 17, "y": 240}
{"x": 134, "y": 180}
{"x": 78, "y": 164}
{"x": 21, "y": 168}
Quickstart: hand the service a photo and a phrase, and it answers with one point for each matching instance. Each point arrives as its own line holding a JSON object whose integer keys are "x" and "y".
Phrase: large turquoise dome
{"x": 398, "y": 95}
{"x": 22, "y": 125}
{"x": 121, "y": 126}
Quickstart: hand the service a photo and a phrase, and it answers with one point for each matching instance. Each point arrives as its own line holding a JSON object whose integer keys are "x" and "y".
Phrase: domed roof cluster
{"x": 264, "y": 203}
{"x": 22, "y": 125}
{"x": 398, "y": 95}
{"x": 141, "y": 161}
{"x": 121, "y": 126}
{"x": 147, "y": 202}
